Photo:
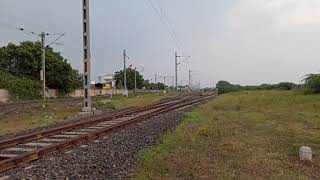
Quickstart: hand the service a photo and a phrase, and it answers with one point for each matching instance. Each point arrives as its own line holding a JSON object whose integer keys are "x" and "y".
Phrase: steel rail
{"x": 30, "y": 156}
{"x": 45, "y": 133}
{"x": 27, "y": 102}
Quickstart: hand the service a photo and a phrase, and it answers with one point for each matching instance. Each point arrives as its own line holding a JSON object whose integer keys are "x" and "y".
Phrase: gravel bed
{"x": 113, "y": 156}
{"x": 72, "y": 119}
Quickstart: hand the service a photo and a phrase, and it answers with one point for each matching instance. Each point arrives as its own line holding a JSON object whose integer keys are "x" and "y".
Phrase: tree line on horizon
{"x": 311, "y": 85}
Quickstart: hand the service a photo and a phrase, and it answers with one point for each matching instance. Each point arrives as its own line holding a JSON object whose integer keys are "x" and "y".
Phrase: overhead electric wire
{"x": 170, "y": 25}
{"x": 8, "y": 25}
{"x": 27, "y": 32}
{"x": 165, "y": 21}
{"x": 22, "y": 21}
{"x": 56, "y": 39}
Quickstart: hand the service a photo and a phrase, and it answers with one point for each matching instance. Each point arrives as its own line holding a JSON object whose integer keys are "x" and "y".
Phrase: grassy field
{"x": 119, "y": 102}
{"x": 57, "y": 112}
{"x": 243, "y": 135}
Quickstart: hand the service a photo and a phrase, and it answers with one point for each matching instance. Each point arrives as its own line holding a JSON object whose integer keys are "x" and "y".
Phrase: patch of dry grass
{"x": 244, "y": 135}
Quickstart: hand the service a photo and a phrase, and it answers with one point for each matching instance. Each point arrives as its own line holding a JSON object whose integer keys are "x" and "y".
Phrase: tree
{"x": 119, "y": 78}
{"x": 152, "y": 86}
{"x": 225, "y": 87}
{"x": 19, "y": 88}
{"x": 24, "y": 60}
{"x": 312, "y": 83}
{"x": 160, "y": 86}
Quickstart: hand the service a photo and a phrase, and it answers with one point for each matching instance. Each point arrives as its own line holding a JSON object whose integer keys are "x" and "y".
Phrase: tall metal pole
{"x": 164, "y": 80}
{"x": 135, "y": 79}
{"x": 43, "y": 65}
{"x": 125, "y": 71}
{"x": 189, "y": 78}
{"x": 176, "y": 70}
{"x": 155, "y": 82}
{"x": 86, "y": 56}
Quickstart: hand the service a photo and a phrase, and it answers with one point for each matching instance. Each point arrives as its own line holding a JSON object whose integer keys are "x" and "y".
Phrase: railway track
{"x": 65, "y": 99}
{"x": 23, "y": 149}
{"x": 8, "y": 108}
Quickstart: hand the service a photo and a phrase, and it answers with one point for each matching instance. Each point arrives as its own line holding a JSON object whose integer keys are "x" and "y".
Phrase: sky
{"x": 245, "y": 42}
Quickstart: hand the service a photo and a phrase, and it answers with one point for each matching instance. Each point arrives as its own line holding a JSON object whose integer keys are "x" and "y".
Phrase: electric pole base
{"x": 86, "y": 110}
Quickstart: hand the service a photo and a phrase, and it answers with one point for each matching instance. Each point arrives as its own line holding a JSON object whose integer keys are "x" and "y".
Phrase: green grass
{"x": 140, "y": 100}
{"x": 119, "y": 102}
{"x": 243, "y": 135}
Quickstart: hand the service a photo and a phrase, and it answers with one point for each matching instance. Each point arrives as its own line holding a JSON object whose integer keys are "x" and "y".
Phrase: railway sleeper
{"x": 37, "y": 144}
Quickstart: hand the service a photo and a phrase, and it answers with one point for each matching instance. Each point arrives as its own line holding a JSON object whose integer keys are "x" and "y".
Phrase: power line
{"x": 53, "y": 42}
{"x": 171, "y": 27}
{"x": 16, "y": 28}
{"x": 24, "y": 22}
{"x": 42, "y": 35}
{"x": 165, "y": 21}
{"x": 8, "y": 25}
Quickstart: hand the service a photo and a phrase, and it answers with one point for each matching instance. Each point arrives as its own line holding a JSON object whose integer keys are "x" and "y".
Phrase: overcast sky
{"x": 241, "y": 41}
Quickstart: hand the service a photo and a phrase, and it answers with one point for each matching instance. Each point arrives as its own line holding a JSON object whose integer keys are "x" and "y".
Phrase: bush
{"x": 24, "y": 60}
{"x": 104, "y": 104}
{"x": 312, "y": 83}
{"x": 19, "y": 88}
{"x": 286, "y": 86}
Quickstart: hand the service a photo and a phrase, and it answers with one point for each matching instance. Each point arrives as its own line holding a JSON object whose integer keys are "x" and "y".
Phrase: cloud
{"x": 274, "y": 13}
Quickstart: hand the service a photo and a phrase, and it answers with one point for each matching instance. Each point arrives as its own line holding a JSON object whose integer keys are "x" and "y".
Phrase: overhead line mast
{"x": 43, "y": 35}
{"x": 125, "y": 57}
{"x": 86, "y": 57}
{"x": 176, "y": 67}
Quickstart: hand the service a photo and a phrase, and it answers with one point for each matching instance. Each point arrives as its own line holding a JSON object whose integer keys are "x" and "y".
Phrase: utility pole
{"x": 125, "y": 71}
{"x": 190, "y": 83}
{"x": 189, "y": 78}
{"x": 43, "y": 35}
{"x": 43, "y": 65}
{"x": 176, "y": 67}
{"x": 164, "y": 80}
{"x": 176, "y": 70}
{"x": 135, "y": 79}
{"x": 155, "y": 82}
{"x": 155, "y": 79}
{"x": 86, "y": 57}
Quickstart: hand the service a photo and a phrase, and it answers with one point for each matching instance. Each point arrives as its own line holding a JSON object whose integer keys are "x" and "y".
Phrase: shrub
{"x": 24, "y": 60}
{"x": 19, "y": 88}
{"x": 312, "y": 83}
{"x": 286, "y": 86}
{"x": 104, "y": 104}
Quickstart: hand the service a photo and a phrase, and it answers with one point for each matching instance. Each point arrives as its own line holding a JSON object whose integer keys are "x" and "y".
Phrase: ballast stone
{"x": 305, "y": 153}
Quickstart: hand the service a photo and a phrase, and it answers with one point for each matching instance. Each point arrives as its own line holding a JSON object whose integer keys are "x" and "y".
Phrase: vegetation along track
{"x": 24, "y": 149}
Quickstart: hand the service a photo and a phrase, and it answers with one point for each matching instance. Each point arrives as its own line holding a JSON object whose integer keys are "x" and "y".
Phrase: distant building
{"x": 106, "y": 81}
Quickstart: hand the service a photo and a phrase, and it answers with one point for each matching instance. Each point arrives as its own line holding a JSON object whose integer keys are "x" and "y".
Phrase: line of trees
{"x": 119, "y": 79}
{"x": 141, "y": 82}
{"x": 311, "y": 85}
{"x": 24, "y": 61}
